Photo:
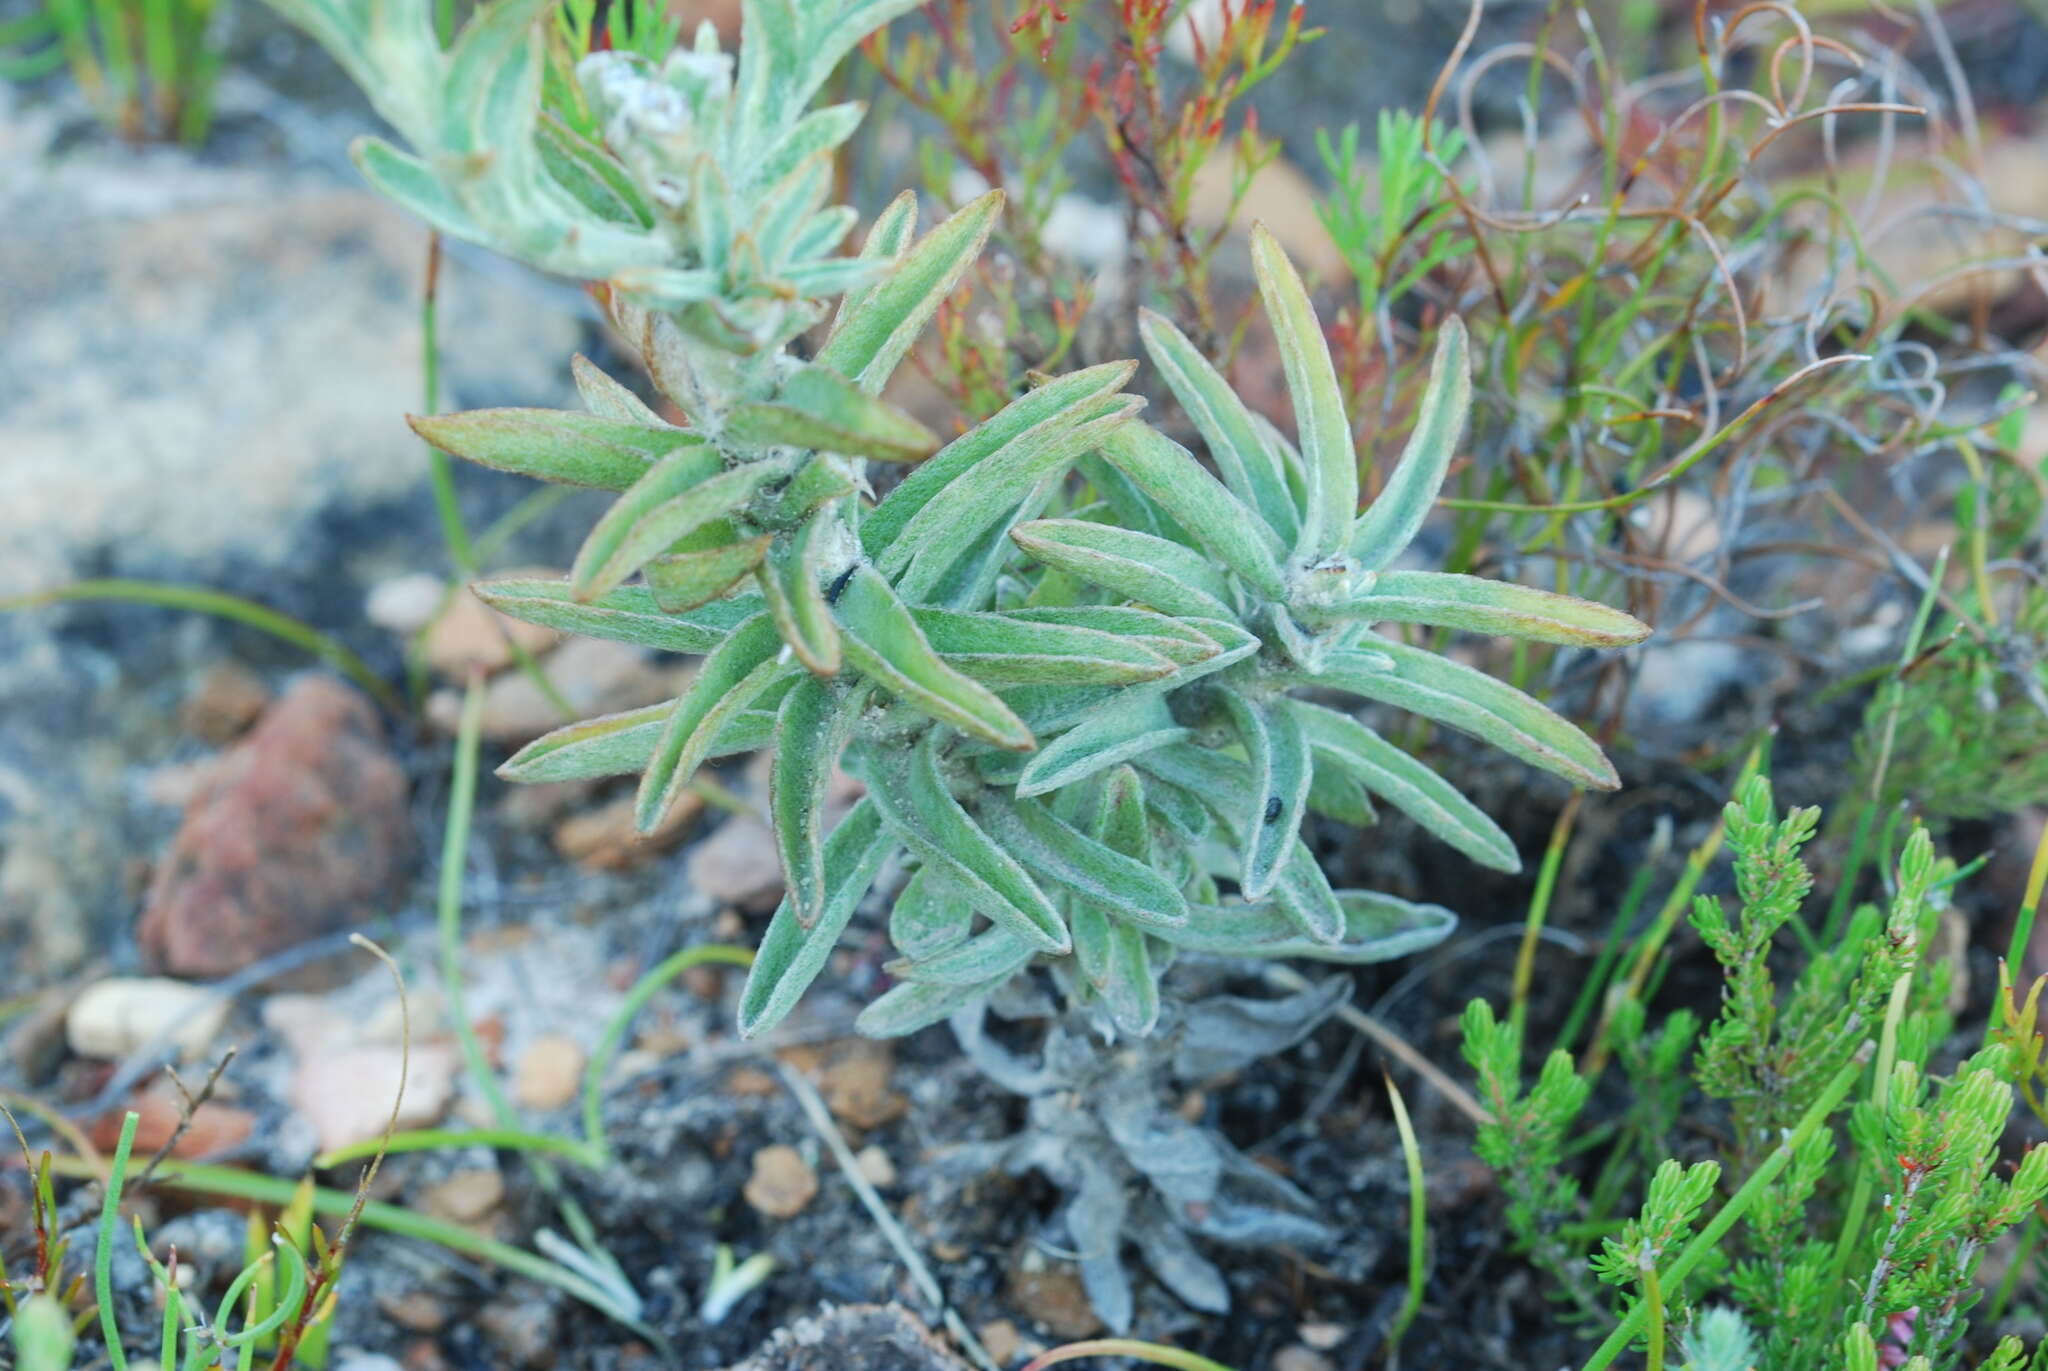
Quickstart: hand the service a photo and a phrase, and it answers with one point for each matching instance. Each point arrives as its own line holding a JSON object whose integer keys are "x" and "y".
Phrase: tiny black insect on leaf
{"x": 838, "y": 584}
{"x": 1273, "y": 808}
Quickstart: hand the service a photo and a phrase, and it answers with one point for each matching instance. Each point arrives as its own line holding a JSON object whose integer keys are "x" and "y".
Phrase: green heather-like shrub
{"x": 1067, "y": 660}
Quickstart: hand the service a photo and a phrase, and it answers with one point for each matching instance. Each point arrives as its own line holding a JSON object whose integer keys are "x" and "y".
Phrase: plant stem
{"x": 1539, "y": 909}
{"x": 223, "y": 606}
{"x": 445, "y": 503}
{"x": 103, "y": 1254}
{"x": 1418, "y": 1222}
{"x": 595, "y": 1142}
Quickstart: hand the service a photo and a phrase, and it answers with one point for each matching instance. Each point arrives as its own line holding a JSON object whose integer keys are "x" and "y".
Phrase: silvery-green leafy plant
{"x": 1069, "y": 663}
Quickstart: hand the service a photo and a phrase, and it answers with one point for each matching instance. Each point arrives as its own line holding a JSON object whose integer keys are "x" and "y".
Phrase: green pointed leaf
{"x": 678, "y": 497}
{"x": 1251, "y": 469}
{"x": 875, "y": 332}
{"x": 727, "y": 681}
{"x": 818, "y": 408}
{"x": 1130, "y": 727}
{"x": 1132, "y": 988}
{"x": 1478, "y": 605}
{"x": 1471, "y": 701}
{"x": 1120, "y": 815}
{"x": 1330, "y": 461}
{"x": 1177, "y": 640}
{"x": 979, "y": 505}
{"x": 1336, "y": 794}
{"x": 1405, "y": 783}
{"x": 1277, "y": 752}
{"x": 563, "y": 446}
{"x": 910, "y": 1006}
{"x": 914, "y": 798}
{"x": 791, "y": 956}
{"x": 999, "y": 649}
{"x": 1090, "y": 927}
{"x": 1377, "y": 928}
{"x": 1136, "y": 566}
{"x": 811, "y": 730}
{"x": 684, "y": 581}
{"x": 789, "y": 585}
{"x": 629, "y": 614}
{"x": 1123, "y": 887}
{"x": 1223, "y": 524}
{"x": 1384, "y": 531}
{"x": 883, "y": 642}
{"x": 820, "y": 481}
{"x": 892, "y": 233}
{"x": 412, "y": 184}
{"x": 928, "y": 918}
{"x": 590, "y": 174}
{"x": 611, "y": 745}
{"x": 1026, "y": 421}
{"x": 1304, "y": 895}
{"x": 990, "y": 956}
{"x": 608, "y": 399}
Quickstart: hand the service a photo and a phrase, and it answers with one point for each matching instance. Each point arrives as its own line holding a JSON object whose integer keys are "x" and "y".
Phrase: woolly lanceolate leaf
{"x": 1477, "y": 605}
{"x": 1385, "y": 530}
{"x": 818, "y": 408}
{"x": 410, "y": 182}
{"x": 883, "y": 642}
{"x": 1406, "y": 784}
{"x": 727, "y": 681}
{"x": 873, "y": 333}
{"x": 1050, "y": 709}
{"x": 628, "y": 614}
{"x": 562, "y": 445}
{"x": 811, "y": 730}
{"x": 927, "y": 918}
{"x": 818, "y": 482}
{"x": 1177, "y": 640}
{"x": 1472, "y": 701}
{"x": 1337, "y": 794}
{"x": 1252, "y": 470}
{"x": 1132, "y": 988}
{"x": 1027, "y": 421}
{"x": 1222, "y": 523}
{"x": 606, "y": 398}
{"x": 683, "y": 581}
{"x": 888, "y": 239}
{"x": 1136, "y": 566}
{"x": 590, "y": 174}
{"x": 1124, "y": 887}
{"x": 788, "y": 578}
{"x": 1276, "y": 750}
{"x": 672, "y": 501}
{"x": 977, "y": 506}
{"x": 1377, "y": 928}
{"x": 1304, "y": 895}
{"x": 999, "y": 649}
{"x": 907, "y": 1007}
{"x": 791, "y": 956}
{"x": 1090, "y": 927}
{"x": 622, "y": 744}
{"x": 1132, "y": 725}
{"x": 991, "y": 956}
{"x": 1330, "y": 461}
{"x": 1120, "y": 815}
{"x": 914, "y": 798}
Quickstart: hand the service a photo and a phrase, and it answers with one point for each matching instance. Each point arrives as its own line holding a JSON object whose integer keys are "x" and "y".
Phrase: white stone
{"x": 116, "y": 1017}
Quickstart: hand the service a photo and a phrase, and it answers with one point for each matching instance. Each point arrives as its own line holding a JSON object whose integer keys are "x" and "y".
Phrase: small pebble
{"x": 550, "y": 1073}
{"x": 782, "y": 1183}
{"x": 115, "y": 1017}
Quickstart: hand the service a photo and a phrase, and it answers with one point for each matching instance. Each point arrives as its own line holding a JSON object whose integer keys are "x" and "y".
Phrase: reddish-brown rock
{"x": 300, "y": 830}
